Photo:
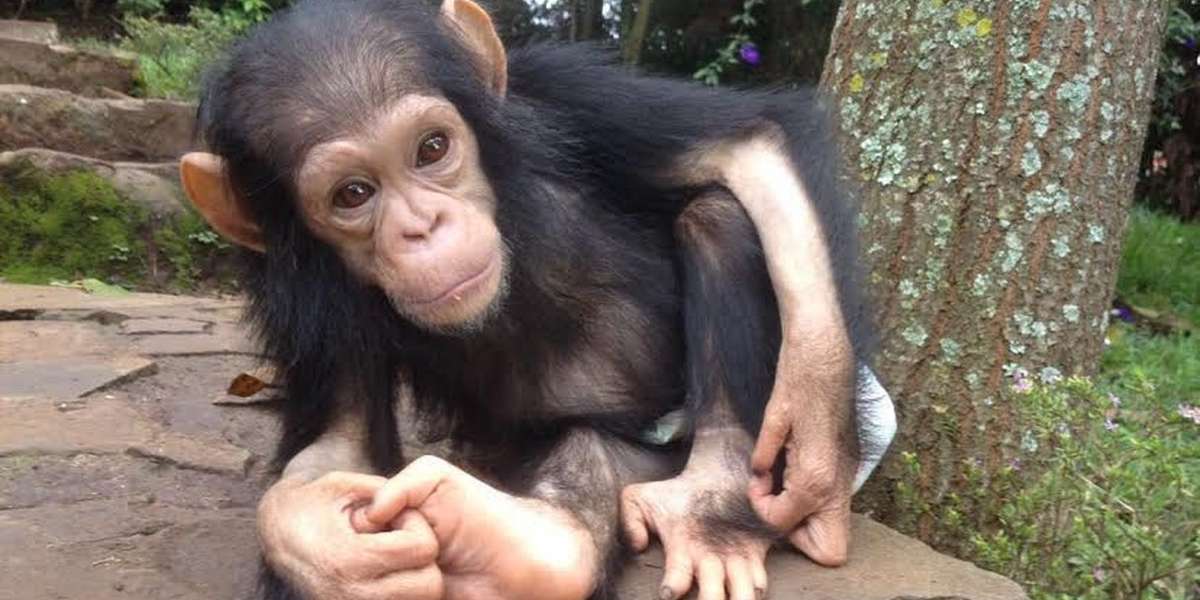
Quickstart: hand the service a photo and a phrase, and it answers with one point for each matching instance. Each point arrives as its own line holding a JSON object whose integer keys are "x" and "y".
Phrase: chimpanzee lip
{"x": 464, "y": 287}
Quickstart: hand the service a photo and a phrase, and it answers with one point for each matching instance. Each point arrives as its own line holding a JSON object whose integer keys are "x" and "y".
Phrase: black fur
{"x": 575, "y": 155}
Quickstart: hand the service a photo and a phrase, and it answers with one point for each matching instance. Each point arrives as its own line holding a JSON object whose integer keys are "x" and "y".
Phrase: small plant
{"x": 1097, "y": 502}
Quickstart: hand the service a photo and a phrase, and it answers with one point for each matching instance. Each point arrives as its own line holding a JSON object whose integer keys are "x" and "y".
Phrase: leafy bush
{"x": 1098, "y": 502}
{"x": 172, "y": 56}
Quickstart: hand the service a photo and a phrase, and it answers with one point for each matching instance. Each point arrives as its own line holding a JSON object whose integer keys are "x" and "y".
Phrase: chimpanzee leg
{"x": 709, "y": 531}
{"x": 731, "y": 321}
{"x": 583, "y": 472}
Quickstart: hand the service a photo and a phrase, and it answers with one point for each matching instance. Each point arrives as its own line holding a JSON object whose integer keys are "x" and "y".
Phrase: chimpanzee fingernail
{"x": 760, "y": 593}
{"x": 665, "y": 593}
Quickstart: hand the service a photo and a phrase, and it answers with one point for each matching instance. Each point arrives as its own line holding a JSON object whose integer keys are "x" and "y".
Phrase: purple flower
{"x": 1190, "y": 43}
{"x": 749, "y": 54}
{"x": 1021, "y": 381}
{"x": 1015, "y": 464}
{"x": 1099, "y": 574}
{"x": 1116, "y": 402}
{"x": 1123, "y": 313}
{"x": 1110, "y": 425}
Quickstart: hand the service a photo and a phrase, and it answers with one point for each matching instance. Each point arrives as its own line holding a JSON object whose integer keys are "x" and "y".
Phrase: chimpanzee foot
{"x": 699, "y": 540}
{"x": 490, "y": 544}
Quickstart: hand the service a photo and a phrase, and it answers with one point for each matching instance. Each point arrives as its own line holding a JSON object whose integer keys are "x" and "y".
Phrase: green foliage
{"x": 1098, "y": 501}
{"x": 76, "y": 226}
{"x": 141, "y": 8}
{"x": 172, "y": 56}
{"x": 1175, "y": 63}
{"x": 711, "y": 73}
{"x": 192, "y": 250}
{"x": 1160, "y": 265}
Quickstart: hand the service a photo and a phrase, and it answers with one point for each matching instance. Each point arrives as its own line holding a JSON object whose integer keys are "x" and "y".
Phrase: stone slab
{"x": 63, "y": 67}
{"x": 163, "y": 326}
{"x": 220, "y": 341}
{"x": 27, "y": 341}
{"x": 102, "y": 426}
{"x": 152, "y": 186}
{"x": 41, "y": 32}
{"x": 69, "y": 377}
{"x": 14, "y": 296}
{"x": 884, "y": 565}
{"x": 115, "y": 130}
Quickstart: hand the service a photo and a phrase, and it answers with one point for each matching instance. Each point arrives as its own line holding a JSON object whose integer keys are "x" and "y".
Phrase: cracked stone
{"x": 104, "y": 426}
{"x": 69, "y": 377}
{"x": 160, "y": 326}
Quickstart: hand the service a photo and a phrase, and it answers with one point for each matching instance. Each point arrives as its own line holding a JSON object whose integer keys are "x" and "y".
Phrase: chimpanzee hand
{"x": 814, "y": 505}
{"x": 673, "y": 509}
{"x": 490, "y": 544}
{"x": 308, "y": 538}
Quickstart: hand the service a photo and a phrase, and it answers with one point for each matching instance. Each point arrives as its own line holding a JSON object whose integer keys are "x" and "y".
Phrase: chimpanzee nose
{"x": 412, "y": 225}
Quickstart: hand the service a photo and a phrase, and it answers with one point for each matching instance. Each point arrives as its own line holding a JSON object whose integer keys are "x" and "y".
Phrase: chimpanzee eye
{"x": 433, "y": 148}
{"x": 353, "y": 195}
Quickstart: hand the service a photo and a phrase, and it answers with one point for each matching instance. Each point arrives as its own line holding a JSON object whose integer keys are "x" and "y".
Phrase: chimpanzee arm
{"x": 644, "y": 137}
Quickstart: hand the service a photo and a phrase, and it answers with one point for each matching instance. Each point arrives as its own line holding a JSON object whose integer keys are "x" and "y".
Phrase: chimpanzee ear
{"x": 208, "y": 187}
{"x": 473, "y": 22}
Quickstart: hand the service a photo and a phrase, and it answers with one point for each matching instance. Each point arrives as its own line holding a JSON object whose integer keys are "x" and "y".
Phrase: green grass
{"x": 1170, "y": 362}
{"x": 1160, "y": 265}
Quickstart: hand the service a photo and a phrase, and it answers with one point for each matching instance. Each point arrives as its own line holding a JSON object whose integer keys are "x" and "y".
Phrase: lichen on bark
{"x": 994, "y": 146}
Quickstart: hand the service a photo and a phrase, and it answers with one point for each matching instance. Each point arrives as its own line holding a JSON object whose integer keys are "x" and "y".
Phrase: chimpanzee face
{"x": 407, "y": 206}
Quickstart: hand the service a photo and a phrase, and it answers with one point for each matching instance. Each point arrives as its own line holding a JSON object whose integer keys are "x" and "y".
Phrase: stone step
{"x": 40, "y": 32}
{"x": 63, "y": 67}
{"x": 152, "y": 186}
{"x": 107, "y": 129}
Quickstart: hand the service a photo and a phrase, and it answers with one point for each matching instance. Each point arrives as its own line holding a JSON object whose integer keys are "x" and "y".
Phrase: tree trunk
{"x": 587, "y": 19}
{"x": 995, "y": 146}
{"x": 631, "y": 47}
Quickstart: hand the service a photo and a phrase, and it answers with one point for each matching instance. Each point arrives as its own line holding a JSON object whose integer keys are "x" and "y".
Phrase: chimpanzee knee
{"x": 716, "y": 228}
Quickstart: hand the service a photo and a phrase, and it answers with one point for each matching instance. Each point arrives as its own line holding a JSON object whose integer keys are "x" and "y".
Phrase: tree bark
{"x": 587, "y": 19}
{"x": 631, "y": 47}
{"x": 995, "y": 146}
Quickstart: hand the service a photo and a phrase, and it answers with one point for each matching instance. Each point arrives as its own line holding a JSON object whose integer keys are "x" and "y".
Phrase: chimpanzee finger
{"x": 408, "y": 489}
{"x": 711, "y": 577}
{"x": 637, "y": 533}
{"x": 825, "y": 536}
{"x": 740, "y": 579}
{"x": 677, "y": 574}
{"x": 783, "y": 511}
{"x": 758, "y": 569}
{"x": 776, "y": 426}
{"x": 411, "y": 544}
{"x": 420, "y": 584}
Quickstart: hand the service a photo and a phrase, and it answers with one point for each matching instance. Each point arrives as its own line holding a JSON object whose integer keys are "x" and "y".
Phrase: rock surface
{"x": 884, "y": 565}
{"x": 38, "y": 32}
{"x": 146, "y": 489}
{"x": 108, "y": 129}
{"x": 152, "y": 186}
{"x": 63, "y": 67}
